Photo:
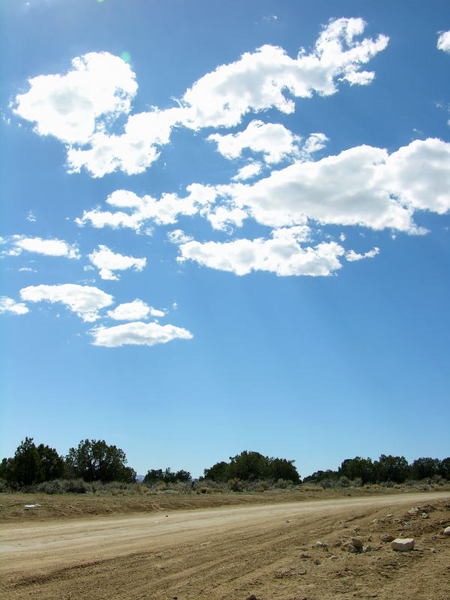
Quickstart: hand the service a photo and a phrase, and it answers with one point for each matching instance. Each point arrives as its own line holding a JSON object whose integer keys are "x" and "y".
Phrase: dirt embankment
{"x": 264, "y": 552}
{"x": 75, "y": 506}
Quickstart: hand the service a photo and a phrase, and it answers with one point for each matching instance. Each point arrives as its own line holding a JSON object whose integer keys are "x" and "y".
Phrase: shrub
{"x": 235, "y": 485}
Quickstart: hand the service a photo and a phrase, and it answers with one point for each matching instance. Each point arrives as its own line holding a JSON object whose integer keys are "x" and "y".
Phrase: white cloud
{"x": 108, "y": 261}
{"x": 31, "y": 217}
{"x": 164, "y": 211}
{"x": 8, "y": 305}
{"x": 134, "y": 311}
{"x": 282, "y": 255}
{"x": 273, "y": 140}
{"x": 132, "y": 152}
{"x": 314, "y": 143}
{"x": 84, "y": 301}
{"x": 79, "y": 107}
{"x": 419, "y": 174}
{"x": 443, "y": 42}
{"x": 360, "y": 186}
{"x": 258, "y": 81}
{"x": 248, "y": 171}
{"x": 74, "y": 106}
{"x": 37, "y": 245}
{"x": 177, "y": 236}
{"x": 353, "y": 256}
{"x": 138, "y": 333}
{"x": 224, "y": 218}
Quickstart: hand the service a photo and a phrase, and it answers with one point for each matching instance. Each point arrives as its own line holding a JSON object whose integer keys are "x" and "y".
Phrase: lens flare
{"x": 126, "y": 56}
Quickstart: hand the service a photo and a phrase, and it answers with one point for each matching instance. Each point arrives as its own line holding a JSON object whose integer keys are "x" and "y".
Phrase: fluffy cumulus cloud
{"x": 108, "y": 261}
{"x": 138, "y": 333}
{"x": 248, "y": 171}
{"x": 282, "y": 254}
{"x": 259, "y": 80}
{"x": 419, "y": 175}
{"x": 443, "y": 42}
{"x": 360, "y": 186}
{"x": 8, "y": 305}
{"x": 134, "y": 311}
{"x": 353, "y": 256}
{"x": 37, "y": 245}
{"x": 72, "y": 107}
{"x": 131, "y": 152}
{"x": 85, "y": 301}
{"x": 273, "y": 140}
{"x": 80, "y": 107}
{"x": 138, "y": 211}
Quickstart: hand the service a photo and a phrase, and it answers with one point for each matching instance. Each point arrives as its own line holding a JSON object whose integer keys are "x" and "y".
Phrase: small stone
{"x": 357, "y": 542}
{"x": 305, "y": 555}
{"x": 413, "y": 511}
{"x": 322, "y": 545}
{"x": 425, "y": 515}
{"x": 333, "y": 557}
{"x": 387, "y": 538}
{"x": 317, "y": 562}
{"x": 403, "y": 544}
{"x": 447, "y": 531}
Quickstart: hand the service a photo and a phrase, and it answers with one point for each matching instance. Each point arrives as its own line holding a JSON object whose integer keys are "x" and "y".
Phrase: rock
{"x": 387, "y": 538}
{"x": 368, "y": 549}
{"x": 305, "y": 555}
{"x": 403, "y": 544}
{"x": 322, "y": 545}
{"x": 317, "y": 562}
{"x": 447, "y": 531}
{"x": 357, "y": 542}
{"x": 349, "y": 547}
{"x": 425, "y": 515}
{"x": 413, "y": 511}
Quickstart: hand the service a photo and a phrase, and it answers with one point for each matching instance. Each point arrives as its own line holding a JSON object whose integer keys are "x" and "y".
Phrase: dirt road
{"x": 219, "y": 553}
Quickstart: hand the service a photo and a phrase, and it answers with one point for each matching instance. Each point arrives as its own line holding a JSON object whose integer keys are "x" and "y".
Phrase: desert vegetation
{"x": 97, "y": 467}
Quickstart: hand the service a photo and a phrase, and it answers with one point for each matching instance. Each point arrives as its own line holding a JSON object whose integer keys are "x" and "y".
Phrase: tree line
{"x": 95, "y": 460}
{"x": 387, "y": 468}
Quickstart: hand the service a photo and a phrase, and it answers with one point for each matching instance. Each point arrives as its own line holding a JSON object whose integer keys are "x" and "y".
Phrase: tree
{"x": 281, "y": 468}
{"x": 423, "y": 468}
{"x": 318, "y": 476}
{"x": 7, "y": 470}
{"x": 250, "y": 466}
{"x": 95, "y": 460}
{"x": 391, "y": 468}
{"x": 52, "y": 465}
{"x": 362, "y": 468}
{"x": 26, "y": 468}
{"x": 444, "y": 468}
{"x": 157, "y": 475}
{"x": 218, "y": 472}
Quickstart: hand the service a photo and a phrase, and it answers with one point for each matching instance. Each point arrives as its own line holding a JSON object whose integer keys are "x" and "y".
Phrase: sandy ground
{"x": 263, "y": 552}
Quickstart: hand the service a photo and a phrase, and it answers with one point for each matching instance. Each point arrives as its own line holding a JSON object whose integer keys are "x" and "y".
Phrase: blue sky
{"x": 226, "y": 227}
